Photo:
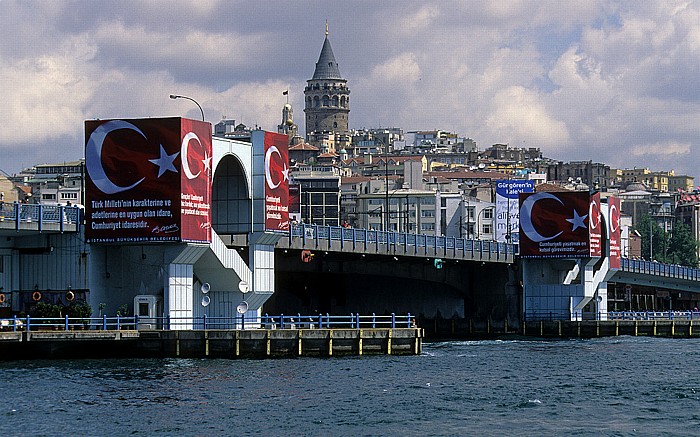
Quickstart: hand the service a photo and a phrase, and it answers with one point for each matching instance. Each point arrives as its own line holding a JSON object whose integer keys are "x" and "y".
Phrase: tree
{"x": 682, "y": 248}
{"x": 647, "y": 227}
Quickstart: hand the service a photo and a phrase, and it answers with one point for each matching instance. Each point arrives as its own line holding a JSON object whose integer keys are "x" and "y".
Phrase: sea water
{"x": 611, "y": 386}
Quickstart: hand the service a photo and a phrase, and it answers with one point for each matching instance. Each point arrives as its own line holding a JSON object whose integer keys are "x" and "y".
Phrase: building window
{"x": 488, "y": 213}
{"x": 486, "y": 228}
{"x": 427, "y": 213}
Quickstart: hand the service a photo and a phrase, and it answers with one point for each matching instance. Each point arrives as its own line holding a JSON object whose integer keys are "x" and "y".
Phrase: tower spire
{"x": 326, "y": 27}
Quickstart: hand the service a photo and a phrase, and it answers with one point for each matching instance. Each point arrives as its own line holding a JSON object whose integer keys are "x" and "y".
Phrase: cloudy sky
{"x": 610, "y": 81}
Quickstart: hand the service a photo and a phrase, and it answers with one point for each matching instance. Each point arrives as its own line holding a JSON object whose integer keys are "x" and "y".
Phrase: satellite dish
{"x": 243, "y": 287}
{"x": 206, "y": 300}
{"x": 242, "y": 307}
{"x": 206, "y": 287}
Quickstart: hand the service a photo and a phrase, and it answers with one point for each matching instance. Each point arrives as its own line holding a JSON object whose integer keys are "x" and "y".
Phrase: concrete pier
{"x": 485, "y": 329}
{"x": 256, "y": 343}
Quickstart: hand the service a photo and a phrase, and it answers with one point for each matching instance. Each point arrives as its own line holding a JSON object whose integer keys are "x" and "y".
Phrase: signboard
{"x": 276, "y": 182}
{"x": 148, "y": 180}
{"x": 555, "y": 225}
{"x": 595, "y": 248}
{"x": 508, "y": 209}
{"x": 615, "y": 232}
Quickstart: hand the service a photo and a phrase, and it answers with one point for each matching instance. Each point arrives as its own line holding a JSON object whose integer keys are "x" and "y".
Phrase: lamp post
{"x": 177, "y": 96}
{"x": 478, "y": 223}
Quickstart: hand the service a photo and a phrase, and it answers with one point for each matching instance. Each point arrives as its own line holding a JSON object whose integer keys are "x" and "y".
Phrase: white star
{"x": 577, "y": 221}
{"x": 285, "y": 173}
{"x": 165, "y": 161}
{"x": 207, "y": 162}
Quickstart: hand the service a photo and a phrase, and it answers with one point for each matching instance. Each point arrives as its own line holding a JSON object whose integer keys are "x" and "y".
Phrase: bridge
{"x": 306, "y": 269}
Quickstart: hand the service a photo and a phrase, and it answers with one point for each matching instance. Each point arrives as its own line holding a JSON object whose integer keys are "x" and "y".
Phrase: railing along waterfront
{"x": 654, "y": 315}
{"x": 362, "y": 237}
{"x": 240, "y": 322}
{"x": 22, "y": 213}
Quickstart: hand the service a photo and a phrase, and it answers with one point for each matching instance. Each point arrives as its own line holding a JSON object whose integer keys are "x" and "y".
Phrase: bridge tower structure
{"x": 572, "y": 288}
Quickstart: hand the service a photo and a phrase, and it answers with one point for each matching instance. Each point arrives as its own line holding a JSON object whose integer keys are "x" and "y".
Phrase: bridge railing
{"x": 21, "y": 213}
{"x": 659, "y": 269}
{"x": 360, "y": 236}
{"x": 296, "y": 321}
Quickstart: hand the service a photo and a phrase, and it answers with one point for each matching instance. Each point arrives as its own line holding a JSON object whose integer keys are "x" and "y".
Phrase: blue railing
{"x": 654, "y": 315}
{"x": 298, "y": 321}
{"x": 19, "y": 213}
{"x": 659, "y": 269}
{"x": 361, "y": 237}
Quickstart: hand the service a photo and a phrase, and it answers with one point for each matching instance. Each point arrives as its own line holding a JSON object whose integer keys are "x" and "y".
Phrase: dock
{"x": 210, "y": 343}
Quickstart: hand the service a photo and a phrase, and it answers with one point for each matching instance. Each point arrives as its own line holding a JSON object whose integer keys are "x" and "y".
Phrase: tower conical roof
{"x": 327, "y": 67}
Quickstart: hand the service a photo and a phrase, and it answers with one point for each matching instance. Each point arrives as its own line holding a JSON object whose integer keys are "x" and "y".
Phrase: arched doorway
{"x": 231, "y": 204}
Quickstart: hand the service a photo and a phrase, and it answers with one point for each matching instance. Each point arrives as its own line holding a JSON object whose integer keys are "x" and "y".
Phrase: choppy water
{"x": 622, "y": 386}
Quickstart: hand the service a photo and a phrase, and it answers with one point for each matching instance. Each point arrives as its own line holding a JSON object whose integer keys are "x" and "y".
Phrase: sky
{"x": 608, "y": 81}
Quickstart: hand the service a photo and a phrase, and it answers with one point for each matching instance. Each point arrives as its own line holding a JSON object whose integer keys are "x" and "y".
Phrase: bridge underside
{"x": 344, "y": 283}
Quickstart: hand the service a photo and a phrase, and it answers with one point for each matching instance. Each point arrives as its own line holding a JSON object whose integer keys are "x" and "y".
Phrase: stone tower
{"x": 327, "y": 95}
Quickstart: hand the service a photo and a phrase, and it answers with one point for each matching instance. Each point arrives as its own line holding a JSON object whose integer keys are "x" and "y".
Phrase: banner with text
{"x": 276, "y": 182}
{"x": 615, "y": 232}
{"x": 148, "y": 180}
{"x": 555, "y": 225}
{"x": 508, "y": 209}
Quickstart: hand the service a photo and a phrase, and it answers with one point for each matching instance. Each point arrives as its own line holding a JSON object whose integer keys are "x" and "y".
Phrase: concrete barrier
{"x": 256, "y": 343}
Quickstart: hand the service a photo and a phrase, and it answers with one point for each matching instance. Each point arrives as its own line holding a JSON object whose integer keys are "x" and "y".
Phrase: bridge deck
{"x": 356, "y": 240}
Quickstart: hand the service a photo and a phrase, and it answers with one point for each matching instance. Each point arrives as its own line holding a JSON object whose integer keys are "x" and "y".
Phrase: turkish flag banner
{"x": 556, "y": 225}
{"x": 138, "y": 171}
{"x": 614, "y": 229}
{"x": 595, "y": 227}
{"x": 276, "y": 182}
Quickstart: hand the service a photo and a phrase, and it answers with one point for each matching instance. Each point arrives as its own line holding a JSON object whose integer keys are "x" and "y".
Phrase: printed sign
{"x": 594, "y": 227}
{"x": 148, "y": 180}
{"x": 615, "y": 232}
{"x": 276, "y": 182}
{"x": 508, "y": 208}
{"x": 555, "y": 225}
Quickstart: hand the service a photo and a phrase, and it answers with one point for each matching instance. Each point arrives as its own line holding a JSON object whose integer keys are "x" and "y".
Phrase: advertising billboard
{"x": 508, "y": 208}
{"x": 148, "y": 180}
{"x": 555, "y": 224}
{"x": 595, "y": 244}
{"x": 615, "y": 232}
{"x": 276, "y": 166}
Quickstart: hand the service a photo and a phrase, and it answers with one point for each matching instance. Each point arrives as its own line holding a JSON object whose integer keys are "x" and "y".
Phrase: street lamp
{"x": 177, "y": 96}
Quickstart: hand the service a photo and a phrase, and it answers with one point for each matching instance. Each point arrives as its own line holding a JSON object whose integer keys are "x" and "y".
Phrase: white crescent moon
{"x": 93, "y": 156}
{"x": 183, "y": 155}
{"x": 268, "y": 176}
{"x": 594, "y": 217}
{"x": 526, "y": 217}
{"x": 613, "y": 211}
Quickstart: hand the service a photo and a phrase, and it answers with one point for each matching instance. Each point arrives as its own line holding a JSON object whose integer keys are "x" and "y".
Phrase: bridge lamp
{"x": 177, "y": 96}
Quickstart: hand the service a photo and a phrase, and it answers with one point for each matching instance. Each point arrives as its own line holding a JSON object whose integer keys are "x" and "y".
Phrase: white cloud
{"x": 519, "y": 115}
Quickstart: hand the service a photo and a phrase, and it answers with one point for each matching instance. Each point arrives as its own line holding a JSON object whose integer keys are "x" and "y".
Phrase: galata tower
{"x": 327, "y": 95}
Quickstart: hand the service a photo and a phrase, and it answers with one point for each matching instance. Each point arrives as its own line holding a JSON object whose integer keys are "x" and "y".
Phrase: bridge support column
{"x": 179, "y": 291}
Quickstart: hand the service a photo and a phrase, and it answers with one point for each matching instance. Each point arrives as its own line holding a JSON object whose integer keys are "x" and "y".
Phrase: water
{"x": 613, "y": 386}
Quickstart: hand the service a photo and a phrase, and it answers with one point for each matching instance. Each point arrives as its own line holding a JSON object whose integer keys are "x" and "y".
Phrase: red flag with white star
{"x": 554, "y": 225}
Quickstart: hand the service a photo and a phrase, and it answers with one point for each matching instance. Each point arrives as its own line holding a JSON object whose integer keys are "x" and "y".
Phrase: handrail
{"x": 423, "y": 241}
{"x": 38, "y": 213}
{"x": 240, "y": 322}
{"x": 659, "y": 269}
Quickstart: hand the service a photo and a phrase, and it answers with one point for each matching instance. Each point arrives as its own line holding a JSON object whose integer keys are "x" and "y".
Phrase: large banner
{"x": 595, "y": 246}
{"x": 276, "y": 182}
{"x": 508, "y": 208}
{"x": 555, "y": 225}
{"x": 614, "y": 231}
{"x": 148, "y": 180}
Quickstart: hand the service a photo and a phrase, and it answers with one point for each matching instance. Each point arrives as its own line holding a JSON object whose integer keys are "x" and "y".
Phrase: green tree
{"x": 682, "y": 248}
{"x": 655, "y": 241}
